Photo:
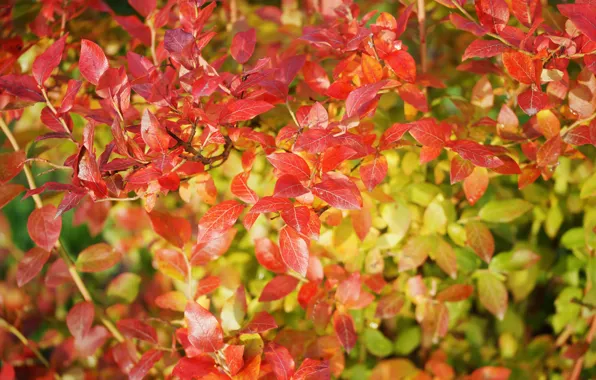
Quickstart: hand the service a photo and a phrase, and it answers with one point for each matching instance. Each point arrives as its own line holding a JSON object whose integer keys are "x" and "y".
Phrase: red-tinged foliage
{"x": 278, "y": 287}
{"x": 46, "y": 62}
{"x": 97, "y": 258}
{"x": 92, "y": 62}
{"x": 280, "y": 360}
{"x": 10, "y": 165}
{"x": 144, "y": 365}
{"x": 261, "y": 323}
{"x": 243, "y": 45}
{"x": 204, "y": 331}
{"x": 313, "y": 369}
{"x": 44, "y": 227}
{"x": 31, "y": 264}
{"x": 343, "y": 324}
{"x": 263, "y": 186}
{"x": 294, "y": 250}
{"x": 481, "y": 240}
{"x": 174, "y": 229}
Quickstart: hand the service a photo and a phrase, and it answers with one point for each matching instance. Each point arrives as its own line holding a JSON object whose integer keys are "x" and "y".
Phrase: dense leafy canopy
{"x": 324, "y": 189}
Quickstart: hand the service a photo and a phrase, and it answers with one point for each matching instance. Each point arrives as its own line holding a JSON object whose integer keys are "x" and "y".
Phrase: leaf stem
{"x": 13, "y": 330}
{"x": 422, "y": 32}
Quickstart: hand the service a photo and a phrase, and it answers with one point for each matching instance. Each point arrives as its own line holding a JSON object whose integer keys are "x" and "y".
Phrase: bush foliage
{"x": 305, "y": 190}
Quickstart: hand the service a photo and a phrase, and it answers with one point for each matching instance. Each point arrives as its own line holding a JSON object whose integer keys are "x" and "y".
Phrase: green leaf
{"x": 376, "y": 343}
{"x": 97, "y": 258}
{"x": 492, "y": 294}
{"x": 589, "y": 188}
{"x": 504, "y": 211}
{"x": 125, "y": 287}
{"x": 408, "y": 340}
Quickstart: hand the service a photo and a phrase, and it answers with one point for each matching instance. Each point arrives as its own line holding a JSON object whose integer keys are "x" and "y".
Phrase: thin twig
{"x": 422, "y": 31}
{"x": 14, "y": 331}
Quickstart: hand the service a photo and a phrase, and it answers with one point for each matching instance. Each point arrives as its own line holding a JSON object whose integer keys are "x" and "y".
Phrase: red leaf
{"x": 207, "y": 285}
{"x": 393, "y": 135}
{"x": 549, "y": 153}
{"x": 44, "y": 228}
{"x": 526, "y": 11}
{"x": 70, "y": 96}
{"x": 460, "y": 169}
{"x": 243, "y": 109}
{"x": 204, "y": 331}
{"x": 7, "y": 372}
{"x": 145, "y": 364}
{"x": 144, "y": 7}
{"x": 243, "y": 45}
{"x": 8, "y": 192}
{"x": 373, "y": 171}
{"x": 455, "y": 293}
{"x": 475, "y": 185}
{"x": 413, "y": 96}
{"x": 79, "y": 319}
{"x": 268, "y": 255}
{"x": 529, "y": 175}
{"x": 348, "y": 291}
{"x": 335, "y": 156}
{"x": 239, "y": 188}
{"x": 311, "y": 369}
{"x": 234, "y": 361}
{"x": 476, "y": 153}
{"x": 343, "y": 324}
{"x": 532, "y": 101}
{"x": 46, "y": 62}
{"x": 174, "y": 229}
{"x": 463, "y": 23}
{"x": 218, "y": 220}
{"x": 290, "y": 163}
{"x": 197, "y": 367}
{"x": 280, "y": 360}
{"x": 133, "y": 328}
{"x": 520, "y": 66}
{"x": 480, "y": 239}
{"x": 428, "y": 133}
{"x": 494, "y": 14}
{"x": 315, "y": 77}
{"x": 154, "y": 134}
{"x": 212, "y": 247}
{"x": 11, "y": 165}
{"x": 271, "y": 204}
{"x": 93, "y": 62}
{"x": 261, "y": 322}
{"x": 371, "y": 69}
{"x": 339, "y": 192}
{"x": 403, "y": 65}
{"x": 22, "y": 86}
{"x": 359, "y": 100}
{"x": 297, "y": 218}
{"x": 31, "y": 264}
{"x": 288, "y": 186}
{"x": 278, "y": 288}
{"x": 578, "y": 136}
{"x": 582, "y": 16}
{"x": 294, "y": 250}
{"x": 93, "y": 340}
{"x": 484, "y": 49}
